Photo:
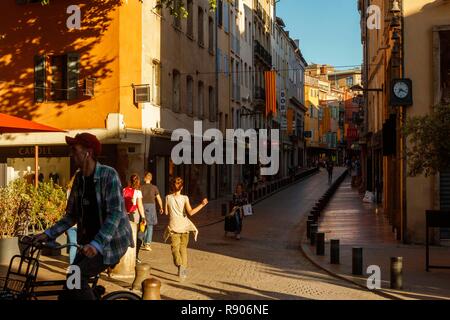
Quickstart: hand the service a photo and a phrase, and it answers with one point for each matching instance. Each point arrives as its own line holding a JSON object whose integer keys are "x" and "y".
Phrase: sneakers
{"x": 146, "y": 247}
{"x": 182, "y": 273}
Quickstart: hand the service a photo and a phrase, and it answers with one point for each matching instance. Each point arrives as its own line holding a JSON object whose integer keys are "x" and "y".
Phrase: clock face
{"x": 401, "y": 90}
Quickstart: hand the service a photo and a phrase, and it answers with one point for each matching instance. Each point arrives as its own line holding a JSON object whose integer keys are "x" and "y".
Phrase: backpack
{"x": 128, "y": 194}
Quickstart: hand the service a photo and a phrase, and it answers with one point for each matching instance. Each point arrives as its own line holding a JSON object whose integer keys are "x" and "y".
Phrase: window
{"x": 226, "y": 65}
{"x": 201, "y": 100}
{"x": 220, "y": 12}
{"x": 212, "y": 111}
{"x": 349, "y": 81}
{"x": 211, "y": 35}
{"x": 62, "y": 78}
{"x": 57, "y": 78}
{"x": 176, "y": 91}
{"x": 156, "y": 83}
{"x": 177, "y": 19}
{"x": 201, "y": 41}
{"x": 190, "y": 19}
{"x": 245, "y": 75}
{"x": 190, "y": 95}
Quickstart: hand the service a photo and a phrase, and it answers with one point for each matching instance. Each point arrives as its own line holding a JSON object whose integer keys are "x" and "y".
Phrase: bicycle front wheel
{"x": 121, "y": 295}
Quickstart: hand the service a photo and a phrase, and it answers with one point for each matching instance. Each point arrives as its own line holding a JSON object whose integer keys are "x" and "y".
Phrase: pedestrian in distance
{"x": 96, "y": 205}
{"x": 234, "y": 221}
{"x": 330, "y": 166}
{"x": 176, "y": 206}
{"x": 132, "y": 195}
{"x": 150, "y": 194}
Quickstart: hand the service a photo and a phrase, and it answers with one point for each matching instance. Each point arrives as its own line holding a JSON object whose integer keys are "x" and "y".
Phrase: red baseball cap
{"x": 86, "y": 140}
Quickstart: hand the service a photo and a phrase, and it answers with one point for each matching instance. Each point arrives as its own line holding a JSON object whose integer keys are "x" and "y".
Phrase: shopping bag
{"x": 247, "y": 210}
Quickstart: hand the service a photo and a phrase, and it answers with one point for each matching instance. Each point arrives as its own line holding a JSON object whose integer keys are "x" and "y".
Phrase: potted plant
{"x": 15, "y": 205}
{"x": 25, "y": 209}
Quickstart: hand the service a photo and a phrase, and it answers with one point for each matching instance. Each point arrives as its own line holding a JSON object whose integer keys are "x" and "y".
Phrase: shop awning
{"x": 11, "y": 124}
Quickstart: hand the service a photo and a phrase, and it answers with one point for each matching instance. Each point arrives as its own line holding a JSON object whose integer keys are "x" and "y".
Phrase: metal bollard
{"x": 334, "y": 251}
{"x": 142, "y": 273}
{"x": 312, "y": 233}
{"x": 357, "y": 261}
{"x": 320, "y": 244}
{"x": 151, "y": 289}
{"x": 397, "y": 273}
{"x": 308, "y": 228}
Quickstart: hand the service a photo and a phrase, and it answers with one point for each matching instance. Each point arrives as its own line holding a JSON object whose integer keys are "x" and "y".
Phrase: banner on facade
{"x": 271, "y": 92}
{"x": 290, "y": 121}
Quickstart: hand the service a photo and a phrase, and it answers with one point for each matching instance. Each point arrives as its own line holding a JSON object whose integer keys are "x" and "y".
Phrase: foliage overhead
{"x": 176, "y": 7}
{"x": 429, "y": 149}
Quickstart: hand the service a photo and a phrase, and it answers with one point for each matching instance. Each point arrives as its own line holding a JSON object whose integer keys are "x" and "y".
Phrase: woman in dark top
{"x": 240, "y": 199}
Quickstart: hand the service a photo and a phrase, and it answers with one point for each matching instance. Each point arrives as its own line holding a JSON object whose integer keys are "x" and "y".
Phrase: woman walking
{"x": 240, "y": 198}
{"x": 179, "y": 224}
{"x": 150, "y": 192}
{"x": 133, "y": 204}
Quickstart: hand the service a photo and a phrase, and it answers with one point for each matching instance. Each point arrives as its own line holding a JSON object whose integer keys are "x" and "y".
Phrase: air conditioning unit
{"x": 141, "y": 93}
{"x": 89, "y": 86}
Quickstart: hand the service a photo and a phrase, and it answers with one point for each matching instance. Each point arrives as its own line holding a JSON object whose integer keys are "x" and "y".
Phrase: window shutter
{"x": 39, "y": 78}
{"x": 73, "y": 70}
{"x": 219, "y": 60}
{"x": 226, "y": 17}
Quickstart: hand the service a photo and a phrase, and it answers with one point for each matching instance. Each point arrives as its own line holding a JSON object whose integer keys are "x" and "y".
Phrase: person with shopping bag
{"x": 233, "y": 221}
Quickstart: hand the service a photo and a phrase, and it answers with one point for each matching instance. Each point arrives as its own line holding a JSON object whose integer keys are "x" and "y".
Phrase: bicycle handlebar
{"x": 27, "y": 240}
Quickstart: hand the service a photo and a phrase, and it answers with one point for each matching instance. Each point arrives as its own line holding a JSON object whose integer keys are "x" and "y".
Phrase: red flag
{"x": 271, "y": 92}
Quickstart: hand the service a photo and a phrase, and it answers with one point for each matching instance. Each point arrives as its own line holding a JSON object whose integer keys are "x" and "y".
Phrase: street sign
{"x": 283, "y": 125}
{"x": 282, "y": 101}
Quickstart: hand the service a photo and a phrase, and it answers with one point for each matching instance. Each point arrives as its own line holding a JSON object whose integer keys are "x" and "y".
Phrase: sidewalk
{"x": 358, "y": 224}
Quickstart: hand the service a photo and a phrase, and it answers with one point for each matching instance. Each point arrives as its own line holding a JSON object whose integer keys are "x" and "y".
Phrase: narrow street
{"x": 265, "y": 264}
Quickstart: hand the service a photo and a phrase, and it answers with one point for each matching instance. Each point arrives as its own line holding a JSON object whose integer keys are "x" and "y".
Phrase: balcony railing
{"x": 263, "y": 54}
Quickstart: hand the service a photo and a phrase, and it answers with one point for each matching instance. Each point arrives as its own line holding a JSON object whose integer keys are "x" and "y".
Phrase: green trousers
{"x": 179, "y": 248}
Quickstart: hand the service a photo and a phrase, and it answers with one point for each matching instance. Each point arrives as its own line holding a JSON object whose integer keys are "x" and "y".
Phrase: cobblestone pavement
{"x": 265, "y": 264}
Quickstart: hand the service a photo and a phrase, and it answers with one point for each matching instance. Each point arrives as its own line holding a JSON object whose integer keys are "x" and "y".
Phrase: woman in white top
{"x": 179, "y": 224}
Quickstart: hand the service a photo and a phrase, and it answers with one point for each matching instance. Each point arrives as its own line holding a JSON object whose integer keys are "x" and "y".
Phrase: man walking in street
{"x": 96, "y": 205}
{"x": 329, "y": 165}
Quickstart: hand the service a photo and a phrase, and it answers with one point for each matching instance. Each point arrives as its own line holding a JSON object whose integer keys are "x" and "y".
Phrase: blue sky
{"x": 328, "y": 30}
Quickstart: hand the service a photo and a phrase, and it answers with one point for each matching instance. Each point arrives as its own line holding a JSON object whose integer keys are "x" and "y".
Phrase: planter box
{"x": 8, "y": 248}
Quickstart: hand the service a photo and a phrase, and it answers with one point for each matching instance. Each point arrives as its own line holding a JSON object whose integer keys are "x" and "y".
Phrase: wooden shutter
{"x": 73, "y": 70}
{"x": 39, "y": 78}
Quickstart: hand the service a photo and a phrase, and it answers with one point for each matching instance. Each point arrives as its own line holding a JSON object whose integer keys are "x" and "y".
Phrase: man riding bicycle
{"x": 96, "y": 205}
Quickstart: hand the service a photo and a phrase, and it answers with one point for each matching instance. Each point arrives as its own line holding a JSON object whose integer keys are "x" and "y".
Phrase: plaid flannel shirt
{"x": 115, "y": 235}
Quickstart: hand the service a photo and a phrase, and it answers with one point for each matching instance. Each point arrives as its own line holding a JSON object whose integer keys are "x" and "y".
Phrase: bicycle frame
{"x": 27, "y": 271}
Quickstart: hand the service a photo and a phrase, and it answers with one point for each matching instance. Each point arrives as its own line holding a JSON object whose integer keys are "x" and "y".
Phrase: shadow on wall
{"x": 33, "y": 29}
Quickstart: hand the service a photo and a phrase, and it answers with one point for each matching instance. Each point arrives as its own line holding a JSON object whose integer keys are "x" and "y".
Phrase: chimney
{"x": 297, "y": 42}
